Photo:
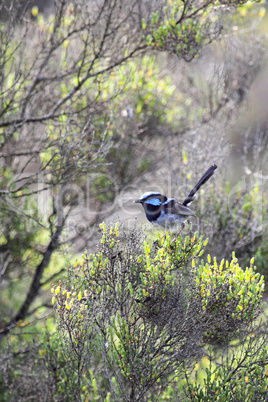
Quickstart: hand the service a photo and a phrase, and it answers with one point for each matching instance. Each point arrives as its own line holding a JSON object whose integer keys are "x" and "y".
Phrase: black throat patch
{"x": 153, "y": 206}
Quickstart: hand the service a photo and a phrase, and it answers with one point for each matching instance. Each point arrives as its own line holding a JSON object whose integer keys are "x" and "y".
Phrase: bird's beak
{"x": 137, "y": 201}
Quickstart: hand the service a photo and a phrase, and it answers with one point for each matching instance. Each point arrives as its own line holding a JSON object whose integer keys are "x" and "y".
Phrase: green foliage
{"x": 239, "y": 223}
{"x": 241, "y": 377}
{"x": 139, "y": 306}
{"x": 75, "y": 132}
{"x": 229, "y": 292}
{"x": 262, "y": 258}
{"x": 184, "y": 27}
{"x": 141, "y": 315}
{"x": 66, "y": 370}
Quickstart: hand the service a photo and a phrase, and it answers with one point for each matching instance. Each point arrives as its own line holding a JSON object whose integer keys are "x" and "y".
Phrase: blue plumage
{"x": 166, "y": 212}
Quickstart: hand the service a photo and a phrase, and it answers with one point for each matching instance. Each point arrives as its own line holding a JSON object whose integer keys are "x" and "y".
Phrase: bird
{"x": 168, "y": 213}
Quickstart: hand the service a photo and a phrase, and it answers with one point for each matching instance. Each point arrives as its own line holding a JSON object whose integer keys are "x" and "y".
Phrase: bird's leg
{"x": 190, "y": 228}
{"x": 182, "y": 227}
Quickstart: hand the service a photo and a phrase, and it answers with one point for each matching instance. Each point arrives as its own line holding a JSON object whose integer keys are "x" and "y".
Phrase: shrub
{"x": 144, "y": 312}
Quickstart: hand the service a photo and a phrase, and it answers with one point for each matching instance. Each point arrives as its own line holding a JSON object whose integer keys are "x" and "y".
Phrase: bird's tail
{"x": 202, "y": 181}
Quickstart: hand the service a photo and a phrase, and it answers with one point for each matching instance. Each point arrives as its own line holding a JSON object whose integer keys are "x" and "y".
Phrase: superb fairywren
{"x": 166, "y": 212}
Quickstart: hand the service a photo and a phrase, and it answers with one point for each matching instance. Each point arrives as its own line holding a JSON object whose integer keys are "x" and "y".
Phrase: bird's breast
{"x": 169, "y": 221}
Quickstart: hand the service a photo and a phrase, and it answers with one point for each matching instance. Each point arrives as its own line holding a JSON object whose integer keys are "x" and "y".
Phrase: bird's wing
{"x": 173, "y": 207}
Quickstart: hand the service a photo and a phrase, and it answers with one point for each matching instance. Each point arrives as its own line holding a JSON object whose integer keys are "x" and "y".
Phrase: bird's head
{"x": 149, "y": 196}
{"x": 152, "y": 202}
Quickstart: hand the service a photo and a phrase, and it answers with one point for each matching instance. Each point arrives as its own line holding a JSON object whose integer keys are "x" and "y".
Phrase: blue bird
{"x": 168, "y": 213}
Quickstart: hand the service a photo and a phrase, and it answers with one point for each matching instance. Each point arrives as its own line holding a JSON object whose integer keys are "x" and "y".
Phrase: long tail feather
{"x": 202, "y": 181}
